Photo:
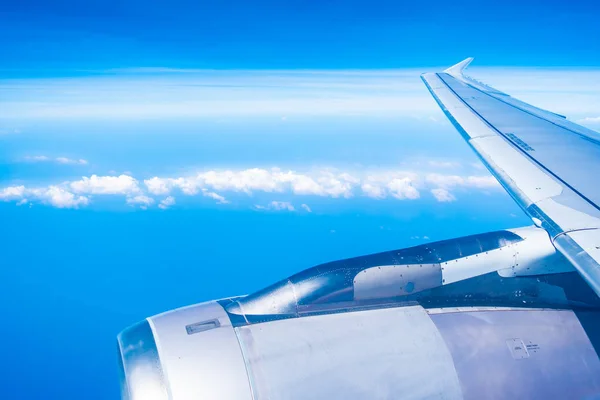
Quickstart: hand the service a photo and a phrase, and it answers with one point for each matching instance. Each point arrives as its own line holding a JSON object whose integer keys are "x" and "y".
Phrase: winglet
{"x": 458, "y": 68}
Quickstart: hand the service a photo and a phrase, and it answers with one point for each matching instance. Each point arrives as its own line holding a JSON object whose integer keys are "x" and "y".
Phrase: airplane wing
{"x": 548, "y": 164}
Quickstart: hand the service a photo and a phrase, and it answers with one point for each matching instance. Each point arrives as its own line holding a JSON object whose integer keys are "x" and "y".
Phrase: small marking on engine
{"x": 518, "y": 349}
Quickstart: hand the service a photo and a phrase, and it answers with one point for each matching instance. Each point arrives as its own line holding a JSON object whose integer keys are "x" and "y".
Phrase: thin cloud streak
{"x": 58, "y": 160}
{"x": 164, "y": 93}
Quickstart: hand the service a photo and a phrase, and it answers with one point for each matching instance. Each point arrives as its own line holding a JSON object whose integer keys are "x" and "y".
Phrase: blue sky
{"x": 154, "y": 154}
{"x": 47, "y": 37}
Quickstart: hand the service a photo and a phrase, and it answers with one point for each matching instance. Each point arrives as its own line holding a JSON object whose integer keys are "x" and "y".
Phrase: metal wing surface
{"x": 548, "y": 164}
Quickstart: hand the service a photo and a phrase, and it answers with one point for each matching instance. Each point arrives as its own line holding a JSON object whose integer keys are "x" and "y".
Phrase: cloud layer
{"x": 218, "y": 185}
{"x": 165, "y": 93}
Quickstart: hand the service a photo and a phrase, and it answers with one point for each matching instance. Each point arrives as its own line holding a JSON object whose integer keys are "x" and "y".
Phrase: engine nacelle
{"x": 367, "y": 327}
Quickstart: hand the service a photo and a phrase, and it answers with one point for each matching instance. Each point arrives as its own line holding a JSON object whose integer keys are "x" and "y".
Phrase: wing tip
{"x": 457, "y": 69}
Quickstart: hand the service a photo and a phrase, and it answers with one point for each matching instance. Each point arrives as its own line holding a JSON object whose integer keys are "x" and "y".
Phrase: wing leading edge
{"x": 545, "y": 162}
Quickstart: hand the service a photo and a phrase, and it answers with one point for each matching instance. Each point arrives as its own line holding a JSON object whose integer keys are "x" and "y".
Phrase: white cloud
{"x": 158, "y": 186}
{"x": 305, "y": 207}
{"x": 12, "y": 193}
{"x": 472, "y": 181}
{"x": 282, "y": 205}
{"x": 240, "y": 181}
{"x": 220, "y": 199}
{"x": 277, "y": 206}
{"x": 59, "y": 160}
{"x": 61, "y": 198}
{"x": 65, "y": 160}
{"x": 442, "y": 195}
{"x": 77, "y": 193}
{"x": 401, "y": 185}
{"x": 324, "y": 182}
{"x": 402, "y": 189}
{"x": 53, "y": 195}
{"x": 140, "y": 200}
{"x": 373, "y": 190}
{"x": 320, "y": 183}
{"x": 122, "y": 184}
{"x": 167, "y": 202}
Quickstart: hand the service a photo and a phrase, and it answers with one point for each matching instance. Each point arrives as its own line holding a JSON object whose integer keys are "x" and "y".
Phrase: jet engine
{"x": 499, "y": 314}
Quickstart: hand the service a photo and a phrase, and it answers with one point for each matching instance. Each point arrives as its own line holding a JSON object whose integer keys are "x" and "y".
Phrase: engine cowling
{"x": 367, "y": 327}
